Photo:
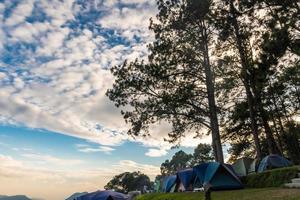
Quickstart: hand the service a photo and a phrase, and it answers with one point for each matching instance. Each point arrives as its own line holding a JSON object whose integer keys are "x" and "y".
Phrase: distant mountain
{"x": 17, "y": 197}
{"x": 75, "y": 195}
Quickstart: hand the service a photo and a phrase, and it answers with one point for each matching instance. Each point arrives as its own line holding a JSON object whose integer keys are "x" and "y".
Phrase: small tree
{"x": 128, "y": 181}
{"x": 202, "y": 153}
{"x": 180, "y": 160}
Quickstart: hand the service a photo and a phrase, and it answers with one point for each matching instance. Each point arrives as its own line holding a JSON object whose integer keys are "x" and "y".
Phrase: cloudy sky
{"x": 59, "y": 134}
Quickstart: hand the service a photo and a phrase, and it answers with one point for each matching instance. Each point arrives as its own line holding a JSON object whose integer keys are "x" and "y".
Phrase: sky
{"x": 59, "y": 133}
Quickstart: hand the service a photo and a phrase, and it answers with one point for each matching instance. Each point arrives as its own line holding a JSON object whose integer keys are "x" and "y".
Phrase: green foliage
{"x": 254, "y": 75}
{"x": 128, "y": 181}
{"x": 181, "y": 160}
{"x": 246, "y": 194}
{"x": 202, "y": 153}
{"x": 170, "y": 85}
{"x": 260, "y": 65}
{"x": 291, "y": 139}
{"x": 271, "y": 178}
{"x": 176, "y": 83}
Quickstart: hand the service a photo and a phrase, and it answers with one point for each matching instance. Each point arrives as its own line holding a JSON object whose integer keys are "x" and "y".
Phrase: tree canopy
{"x": 181, "y": 160}
{"x": 128, "y": 181}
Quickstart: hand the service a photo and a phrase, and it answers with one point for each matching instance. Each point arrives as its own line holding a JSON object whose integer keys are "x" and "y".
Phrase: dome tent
{"x": 185, "y": 179}
{"x": 244, "y": 166}
{"x": 218, "y": 175}
{"x": 104, "y": 195}
{"x": 273, "y": 161}
{"x": 157, "y": 185}
{"x": 76, "y": 195}
{"x": 169, "y": 183}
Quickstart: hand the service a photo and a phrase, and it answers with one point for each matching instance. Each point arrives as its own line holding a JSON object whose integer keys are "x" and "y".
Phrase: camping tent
{"x": 76, "y": 195}
{"x": 169, "y": 183}
{"x": 244, "y": 166}
{"x": 104, "y": 195}
{"x": 273, "y": 161}
{"x": 185, "y": 179}
{"x": 219, "y": 176}
{"x": 157, "y": 185}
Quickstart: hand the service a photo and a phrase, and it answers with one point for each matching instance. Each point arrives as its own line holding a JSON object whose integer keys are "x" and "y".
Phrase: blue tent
{"x": 186, "y": 177}
{"x": 169, "y": 182}
{"x": 219, "y": 176}
{"x": 104, "y": 195}
{"x": 76, "y": 195}
{"x": 273, "y": 161}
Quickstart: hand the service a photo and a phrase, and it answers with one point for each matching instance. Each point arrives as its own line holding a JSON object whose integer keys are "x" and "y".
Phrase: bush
{"x": 271, "y": 178}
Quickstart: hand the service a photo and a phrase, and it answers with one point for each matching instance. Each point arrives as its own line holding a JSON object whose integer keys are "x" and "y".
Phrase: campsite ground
{"x": 246, "y": 194}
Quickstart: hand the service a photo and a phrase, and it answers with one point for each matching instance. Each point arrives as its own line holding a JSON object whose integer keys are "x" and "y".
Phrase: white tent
{"x": 244, "y": 166}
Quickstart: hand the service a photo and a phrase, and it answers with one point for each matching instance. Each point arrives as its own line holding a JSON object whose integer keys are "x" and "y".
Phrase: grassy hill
{"x": 246, "y": 194}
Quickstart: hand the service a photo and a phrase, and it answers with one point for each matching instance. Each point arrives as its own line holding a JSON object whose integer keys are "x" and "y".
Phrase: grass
{"x": 246, "y": 194}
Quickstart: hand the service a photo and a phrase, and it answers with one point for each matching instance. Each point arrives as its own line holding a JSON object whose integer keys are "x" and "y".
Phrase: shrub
{"x": 271, "y": 178}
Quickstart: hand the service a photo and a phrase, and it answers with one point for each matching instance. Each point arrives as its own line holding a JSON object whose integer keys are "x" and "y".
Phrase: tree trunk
{"x": 245, "y": 77}
{"x": 277, "y": 115}
{"x": 215, "y": 152}
{"x": 277, "y": 133}
{"x": 214, "y": 124}
{"x": 253, "y": 117}
{"x": 272, "y": 146}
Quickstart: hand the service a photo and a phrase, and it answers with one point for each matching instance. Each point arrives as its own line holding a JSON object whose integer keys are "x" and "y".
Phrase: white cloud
{"x": 59, "y": 11}
{"x": 53, "y": 41}
{"x": 51, "y": 160}
{"x": 18, "y": 83}
{"x": 2, "y": 76}
{"x": 156, "y": 152}
{"x": 66, "y": 94}
{"x": 7, "y": 161}
{"x": 130, "y": 166}
{"x": 29, "y": 32}
{"x": 89, "y": 149}
{"x": 32, "y": 180}
{"x": 23, "y": 10}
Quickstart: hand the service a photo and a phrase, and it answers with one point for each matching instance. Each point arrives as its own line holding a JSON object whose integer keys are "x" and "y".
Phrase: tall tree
{"x": 176, "y": 84}
{"x": 230, "y": 29}
{"x": 263, "y": 32}
{"x": 277, "y": 40}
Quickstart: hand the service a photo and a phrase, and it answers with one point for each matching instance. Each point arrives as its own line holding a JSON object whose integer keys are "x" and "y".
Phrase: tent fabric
{"x": 242, "y": 166}
{"x": 219, "y": 176}
{"x": 252, "y": 167}
{"x": 76, "y": 195}
{"x": 169, "y": 183}
{"x": 173, "y": 188}
{"x": 186, "y": 178}
{"x": 199, "y": 172}
{"x": 164, "y": 183}
{"x": 157, "y": 185}
{"x": 273, "y": 161}
{"x": 104, "y": 195}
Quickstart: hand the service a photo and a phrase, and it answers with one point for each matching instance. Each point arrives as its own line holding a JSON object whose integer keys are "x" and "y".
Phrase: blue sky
{"x": 59, "y": 133}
